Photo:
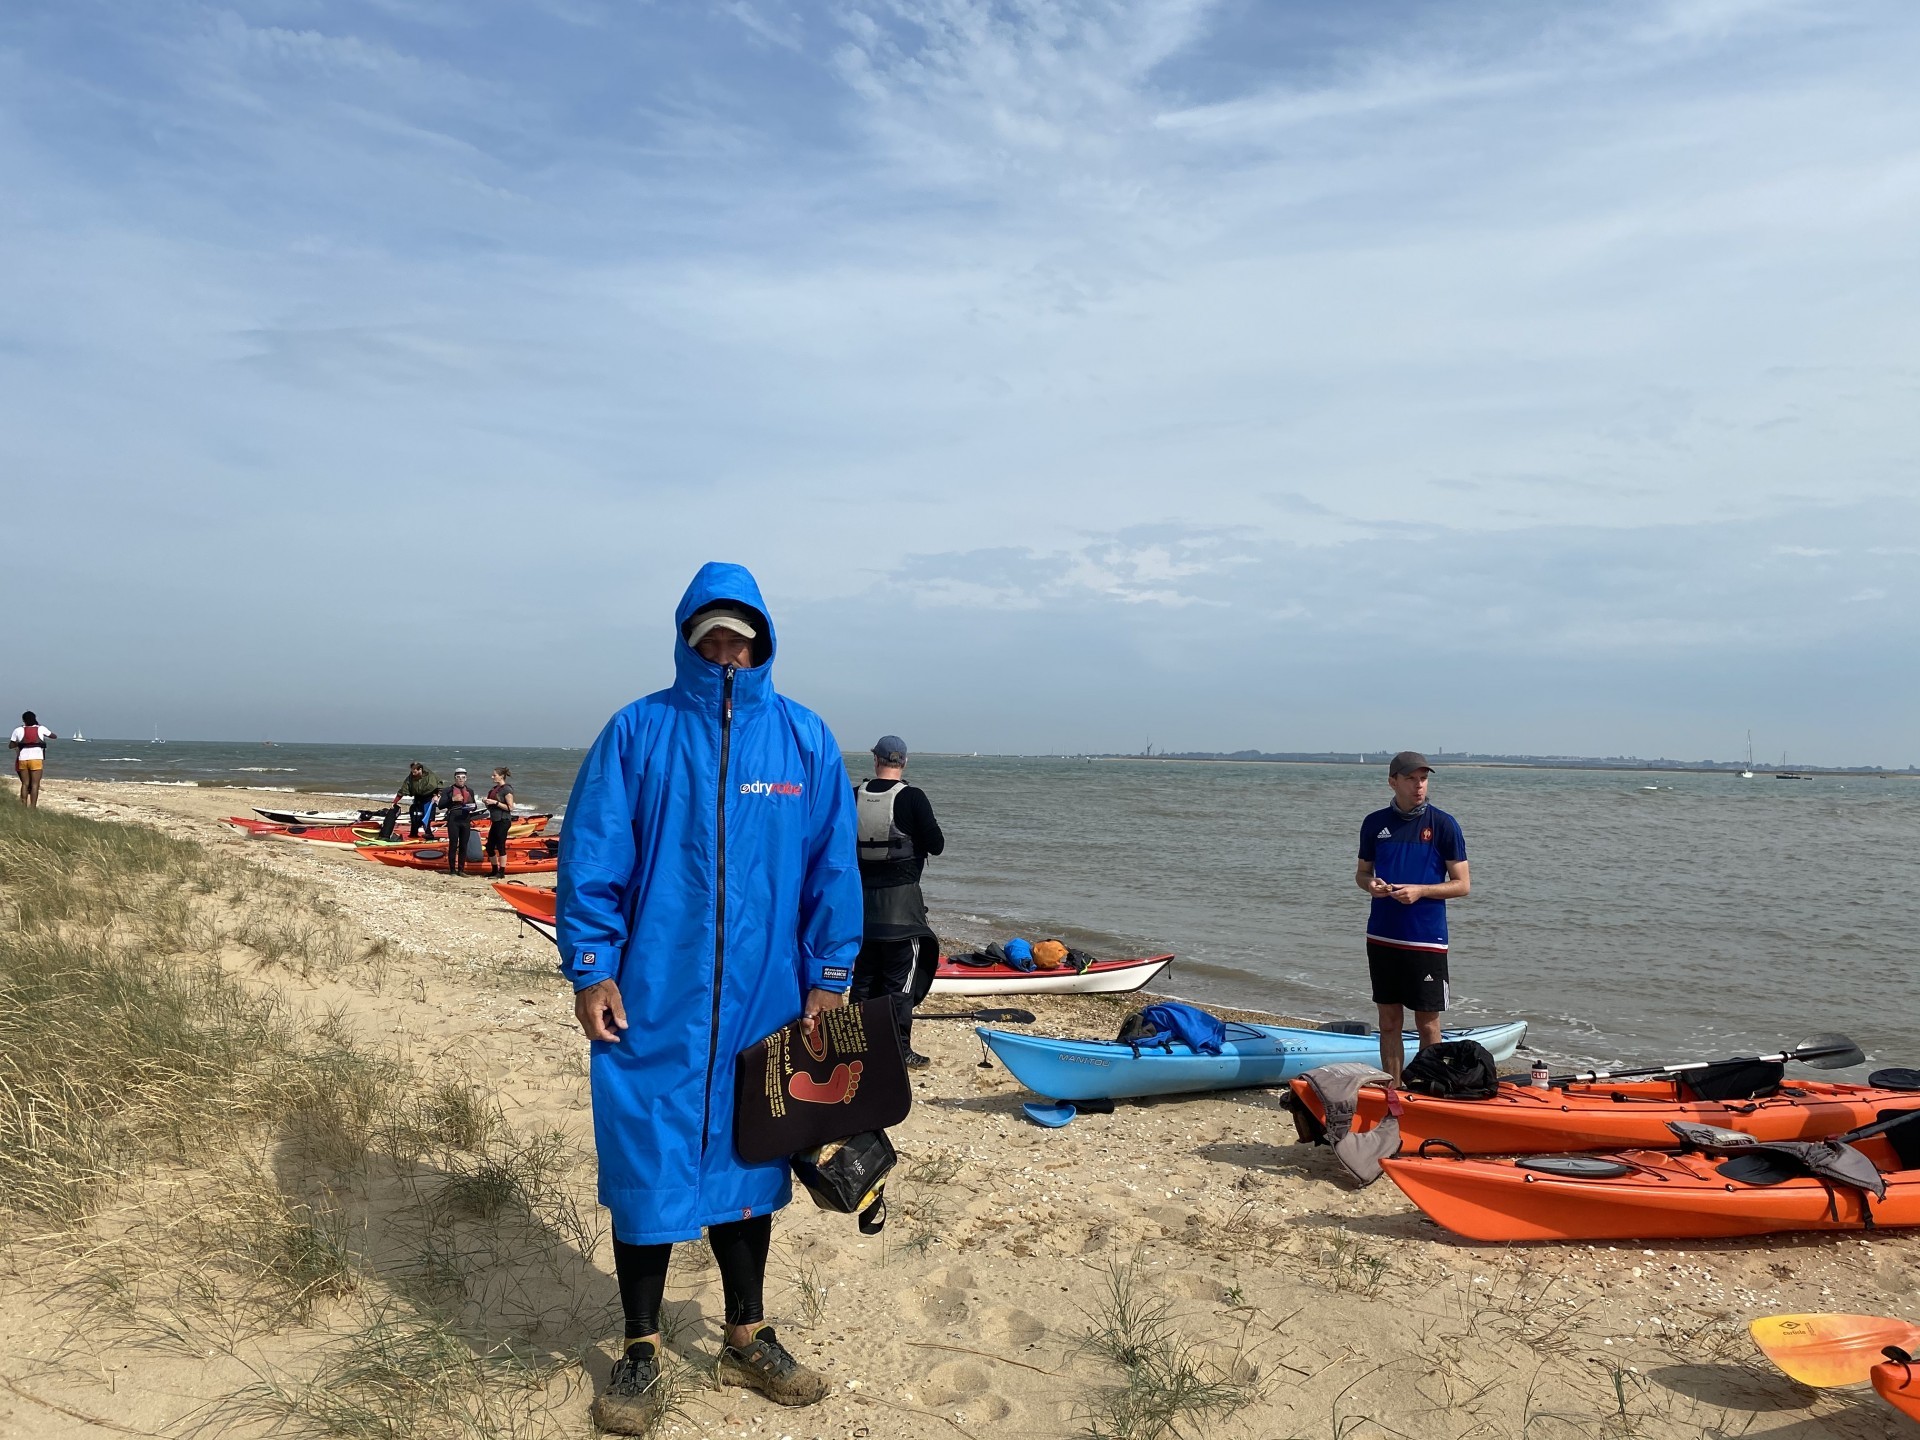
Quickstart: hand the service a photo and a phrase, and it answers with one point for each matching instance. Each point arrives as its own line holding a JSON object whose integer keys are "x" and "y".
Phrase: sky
{"x": 1514, "y": 377}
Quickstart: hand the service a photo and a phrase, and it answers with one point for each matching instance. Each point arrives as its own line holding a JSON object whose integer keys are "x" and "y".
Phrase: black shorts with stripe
{"x": 1416, "y": 979}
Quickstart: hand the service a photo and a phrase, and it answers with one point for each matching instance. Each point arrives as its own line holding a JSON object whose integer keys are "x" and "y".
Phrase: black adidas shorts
{"x": 1416, "y": 979}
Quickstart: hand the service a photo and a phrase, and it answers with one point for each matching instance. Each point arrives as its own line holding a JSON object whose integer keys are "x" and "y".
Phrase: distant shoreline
{"x": 1445, "y": 762}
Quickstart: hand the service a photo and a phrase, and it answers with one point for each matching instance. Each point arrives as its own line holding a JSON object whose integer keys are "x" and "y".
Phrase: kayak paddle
{"x": 1825, "y": 1350}
{"x": 1820, "y": 1052}
{"x": 1004, "y": 1017}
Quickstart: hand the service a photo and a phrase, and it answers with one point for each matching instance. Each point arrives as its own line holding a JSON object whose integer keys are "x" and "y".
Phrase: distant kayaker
{"x": 422, "y": 787}
{"x": 499, "y": 821}
{"x": 457, "y": 803}
{"x": 1413, "y": 859}
{"x": 898, "y": 950}
{"x": 29, "y": 745}
{"x": 708, "y": 896}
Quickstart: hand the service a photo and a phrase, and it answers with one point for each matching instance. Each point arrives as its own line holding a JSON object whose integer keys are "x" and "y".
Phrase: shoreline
{"x": 1345, "y": 1313}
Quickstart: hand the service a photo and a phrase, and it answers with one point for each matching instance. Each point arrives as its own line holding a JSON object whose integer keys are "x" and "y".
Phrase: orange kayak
{"x": 346, "y": 837}
{"x": 1616, "y": 1114}
{"x": 531, "y": 901}
{"x": 1899, "y": 1386}
{"x": 535, "y": 859}
{"x": 1660, "y": 1196}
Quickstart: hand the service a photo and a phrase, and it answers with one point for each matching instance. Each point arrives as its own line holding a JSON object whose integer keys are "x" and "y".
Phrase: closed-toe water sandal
{"x": 634, "y": 1398}
{"x": 763, "y": 1364}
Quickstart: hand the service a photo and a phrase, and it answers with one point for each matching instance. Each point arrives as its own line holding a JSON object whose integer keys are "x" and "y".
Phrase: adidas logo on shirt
{"x": 1385, "y": 834}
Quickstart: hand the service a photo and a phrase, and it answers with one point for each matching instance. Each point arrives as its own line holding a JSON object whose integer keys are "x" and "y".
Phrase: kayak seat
{"x": 1734, "y": 1080}
{"x": 1904, "y": 1138}
{"x": 1761, "y": 1167}
{"x": 1895, "y": 1079}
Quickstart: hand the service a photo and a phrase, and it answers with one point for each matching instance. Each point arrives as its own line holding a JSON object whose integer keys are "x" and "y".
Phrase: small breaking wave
{"x": 266, "y": 770}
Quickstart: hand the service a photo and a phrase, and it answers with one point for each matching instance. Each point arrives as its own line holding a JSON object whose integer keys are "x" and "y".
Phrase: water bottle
{"x": 1538, "y": 1076}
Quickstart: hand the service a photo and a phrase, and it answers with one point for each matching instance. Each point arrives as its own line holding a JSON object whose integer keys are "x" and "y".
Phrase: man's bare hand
{"x": 601, "y": 1012}
{"x": 1407, "y": 894}
{"x": 1378, "y": 888}
{"x": 817, "y": 1001}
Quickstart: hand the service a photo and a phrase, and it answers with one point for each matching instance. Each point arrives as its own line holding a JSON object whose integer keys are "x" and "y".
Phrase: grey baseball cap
{"x": 890, "y": 750}
{"x": 1407, "y": 762}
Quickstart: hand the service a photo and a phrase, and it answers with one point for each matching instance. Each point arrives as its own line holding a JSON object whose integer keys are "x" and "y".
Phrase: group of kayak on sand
{"x": 712, "y": 895}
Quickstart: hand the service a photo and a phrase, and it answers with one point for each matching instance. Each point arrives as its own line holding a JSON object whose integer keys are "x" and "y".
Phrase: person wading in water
{"x": 899, "y": 950}
{"x": 708, "y": 896}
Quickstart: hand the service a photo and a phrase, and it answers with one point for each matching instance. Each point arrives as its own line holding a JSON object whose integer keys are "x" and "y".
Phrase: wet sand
{"x": 1335, "y": 1312}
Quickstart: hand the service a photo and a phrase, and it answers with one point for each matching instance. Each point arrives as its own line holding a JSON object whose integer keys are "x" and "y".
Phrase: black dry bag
{"x": 850, "y": 1176}
{"x": 1452, "y": 1070}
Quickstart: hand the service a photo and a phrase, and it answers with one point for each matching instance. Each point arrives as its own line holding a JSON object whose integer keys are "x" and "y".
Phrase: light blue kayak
{"x": 1251, "y": 1055}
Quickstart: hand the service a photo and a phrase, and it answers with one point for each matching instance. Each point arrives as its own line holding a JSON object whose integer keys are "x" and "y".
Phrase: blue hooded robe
{"x": 709, "y": 866}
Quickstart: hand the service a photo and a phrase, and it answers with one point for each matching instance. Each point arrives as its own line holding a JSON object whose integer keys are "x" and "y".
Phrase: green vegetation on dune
{"x": 213, "y": 1166}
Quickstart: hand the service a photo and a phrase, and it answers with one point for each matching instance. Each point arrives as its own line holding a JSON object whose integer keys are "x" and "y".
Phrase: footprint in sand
{"x": 1198, "y": 1287}
{"x": 964, "y": 1389}
{"x": 1010, "y": 1329}
{"x": 941, "y": 1297}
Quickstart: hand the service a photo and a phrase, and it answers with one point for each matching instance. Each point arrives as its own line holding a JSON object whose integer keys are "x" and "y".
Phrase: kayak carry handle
{"x": 1458, "y": 1153}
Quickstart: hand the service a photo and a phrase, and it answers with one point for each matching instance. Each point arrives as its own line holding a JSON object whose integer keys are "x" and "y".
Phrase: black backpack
{"x": 1452, "y": 1070}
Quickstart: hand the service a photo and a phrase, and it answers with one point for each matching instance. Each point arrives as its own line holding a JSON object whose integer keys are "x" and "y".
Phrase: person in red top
{"x": 29, "y": 744}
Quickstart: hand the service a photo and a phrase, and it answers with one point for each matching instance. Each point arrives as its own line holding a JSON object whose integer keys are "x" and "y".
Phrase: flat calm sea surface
{"x": 1707, "y": 916}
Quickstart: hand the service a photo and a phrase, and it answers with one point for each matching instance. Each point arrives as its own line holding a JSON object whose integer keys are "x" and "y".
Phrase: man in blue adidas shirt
{"x": 1413, "y": 859}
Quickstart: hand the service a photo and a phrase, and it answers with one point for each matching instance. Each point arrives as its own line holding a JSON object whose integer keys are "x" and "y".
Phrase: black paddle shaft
{"x": 1004, "y": 1017}
{"x": 1822, "y": 1052}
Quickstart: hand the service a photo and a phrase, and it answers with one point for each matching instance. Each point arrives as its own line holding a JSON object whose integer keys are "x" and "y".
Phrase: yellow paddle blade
{"x": 1824, "y": 1350}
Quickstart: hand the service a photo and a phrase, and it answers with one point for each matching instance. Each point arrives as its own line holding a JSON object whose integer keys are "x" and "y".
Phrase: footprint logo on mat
{"x": 837, "y": 1089}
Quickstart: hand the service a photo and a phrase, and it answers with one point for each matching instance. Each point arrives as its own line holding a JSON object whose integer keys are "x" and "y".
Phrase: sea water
{"x": 1708, "y": 916}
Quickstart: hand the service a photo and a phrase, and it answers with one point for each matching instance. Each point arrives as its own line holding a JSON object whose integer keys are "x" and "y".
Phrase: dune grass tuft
{"x": 208, "y": 1166}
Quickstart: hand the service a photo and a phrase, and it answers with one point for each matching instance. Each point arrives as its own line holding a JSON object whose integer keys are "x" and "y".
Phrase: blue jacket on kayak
{"x": 709, "y": 867}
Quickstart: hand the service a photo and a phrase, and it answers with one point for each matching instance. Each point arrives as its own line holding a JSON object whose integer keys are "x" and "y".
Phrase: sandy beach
{"x": 1311, "y": 1309}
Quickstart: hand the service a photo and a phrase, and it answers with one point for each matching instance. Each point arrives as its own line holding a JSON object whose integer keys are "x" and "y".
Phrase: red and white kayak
{"x": 1103, "y": 977}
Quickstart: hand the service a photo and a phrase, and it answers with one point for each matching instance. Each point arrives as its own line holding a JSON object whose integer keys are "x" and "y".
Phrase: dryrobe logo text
{"x": 770, "y": 787}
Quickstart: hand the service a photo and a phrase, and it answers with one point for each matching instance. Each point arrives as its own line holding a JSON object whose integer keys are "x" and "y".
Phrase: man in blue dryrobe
{"x": 709, "y": 893}
{"x": 1413, "y": 859}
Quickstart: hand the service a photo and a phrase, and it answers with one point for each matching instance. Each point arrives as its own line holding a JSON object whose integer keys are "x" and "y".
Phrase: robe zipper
{"x": 719, "y": 899}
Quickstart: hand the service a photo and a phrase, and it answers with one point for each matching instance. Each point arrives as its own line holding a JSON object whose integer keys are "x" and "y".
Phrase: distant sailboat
{"x": 1747, "y": 774}
{"x": 156, "y": 737}
{"x": 76, "y": 738}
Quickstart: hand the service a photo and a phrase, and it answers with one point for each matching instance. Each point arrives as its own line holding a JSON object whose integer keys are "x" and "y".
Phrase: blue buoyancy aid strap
{"x": 1188, "y": 1024}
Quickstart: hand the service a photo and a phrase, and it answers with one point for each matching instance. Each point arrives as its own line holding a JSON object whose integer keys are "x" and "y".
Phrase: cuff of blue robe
{"x": 591, "y": 965}
{"x": 837, "y": 978}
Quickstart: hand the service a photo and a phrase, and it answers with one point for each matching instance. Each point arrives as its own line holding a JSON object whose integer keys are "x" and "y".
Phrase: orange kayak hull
{"x": 532, "y": 901}
{"x": 1664, "y": 1197}
{"x": 518, "y": 862}
{"x": 1617, "y": 1115}
{"x": 1899, "y": 1386}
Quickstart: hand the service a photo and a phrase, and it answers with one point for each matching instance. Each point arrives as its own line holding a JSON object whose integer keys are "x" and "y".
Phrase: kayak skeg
{"x": 1614, "y": 1114}
{"x": 1251, "y": 1056}
{"x": 1643, "y": 1195}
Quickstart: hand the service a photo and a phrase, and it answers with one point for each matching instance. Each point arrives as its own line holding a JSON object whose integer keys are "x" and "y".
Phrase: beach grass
{"x": 208, "y": 1168}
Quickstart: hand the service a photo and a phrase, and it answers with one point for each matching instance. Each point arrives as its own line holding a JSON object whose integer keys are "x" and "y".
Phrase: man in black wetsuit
{"x": 898, "y": 949}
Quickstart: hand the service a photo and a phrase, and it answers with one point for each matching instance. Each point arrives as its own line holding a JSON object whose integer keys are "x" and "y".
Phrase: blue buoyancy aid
{"x": 709, "y": 868}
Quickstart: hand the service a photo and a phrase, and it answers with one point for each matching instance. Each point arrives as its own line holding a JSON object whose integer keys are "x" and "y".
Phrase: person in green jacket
{"x": 422, "y": 787}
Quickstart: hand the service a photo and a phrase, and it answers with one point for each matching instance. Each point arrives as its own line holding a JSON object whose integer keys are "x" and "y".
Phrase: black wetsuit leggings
{"x": 740, "y": 1247}
{"x": 459, "y": 827}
